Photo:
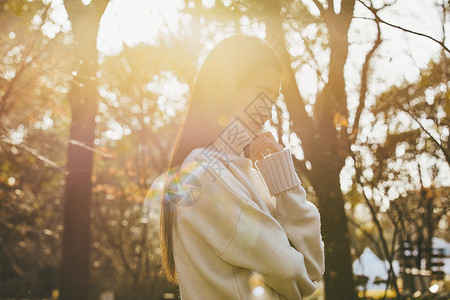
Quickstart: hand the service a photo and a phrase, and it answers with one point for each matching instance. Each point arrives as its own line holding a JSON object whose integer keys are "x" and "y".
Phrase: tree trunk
{"x": 338, "y": 276}
{"x": 83, "y": 100}
{"x": 321, "y": 143}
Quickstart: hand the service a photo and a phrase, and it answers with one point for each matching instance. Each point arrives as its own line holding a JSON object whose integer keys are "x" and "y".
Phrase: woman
{"x": 222, "y": 221}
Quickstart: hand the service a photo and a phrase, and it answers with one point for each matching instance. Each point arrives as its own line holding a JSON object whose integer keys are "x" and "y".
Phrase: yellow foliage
{"x": 340, "y": 120}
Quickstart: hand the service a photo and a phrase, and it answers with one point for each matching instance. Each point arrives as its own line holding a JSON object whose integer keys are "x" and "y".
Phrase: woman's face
{"x": 254, "y": 101}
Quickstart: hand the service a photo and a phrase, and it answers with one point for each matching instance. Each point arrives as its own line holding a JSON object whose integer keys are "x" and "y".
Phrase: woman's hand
{"x": 264, "y": 142}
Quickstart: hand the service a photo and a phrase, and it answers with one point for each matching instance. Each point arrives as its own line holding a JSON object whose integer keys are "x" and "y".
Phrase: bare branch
{"x": 293, "y": 99}
{"x": 363, "y": 88}
{"x": 373, "y": 212}
{"x": 444, "y": 19}
{"x": 331, "y": 6}
{"x": 367, "y": 234}
{"x": 117, "y": 245}
{"x": 378, "y": 19}
{"x": 309, "y": 50}
{"x": 11, "y": 259}
{"x": 436, "y": 142}
{"x": 34, "y": 152}
{"x": 319, "y": 6}
{"x": 90, "y": 148}
{"x": 5, "y": 104}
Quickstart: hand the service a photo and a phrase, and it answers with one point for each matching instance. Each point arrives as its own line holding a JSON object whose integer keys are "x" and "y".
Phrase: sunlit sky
{"x": 399, "y": 58}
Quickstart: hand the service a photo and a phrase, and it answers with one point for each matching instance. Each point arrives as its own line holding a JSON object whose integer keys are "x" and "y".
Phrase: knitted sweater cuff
{"x": 278, "y": 171}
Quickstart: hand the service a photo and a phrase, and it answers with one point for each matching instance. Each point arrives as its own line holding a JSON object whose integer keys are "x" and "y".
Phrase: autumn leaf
{"x": 340, "y": 120}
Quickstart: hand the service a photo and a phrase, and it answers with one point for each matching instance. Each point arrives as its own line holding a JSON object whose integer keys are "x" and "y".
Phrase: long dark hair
{"x": 232, "y": 63}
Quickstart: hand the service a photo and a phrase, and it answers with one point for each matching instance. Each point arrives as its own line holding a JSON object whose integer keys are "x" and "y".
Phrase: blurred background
{"x": 92, "y": 94}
